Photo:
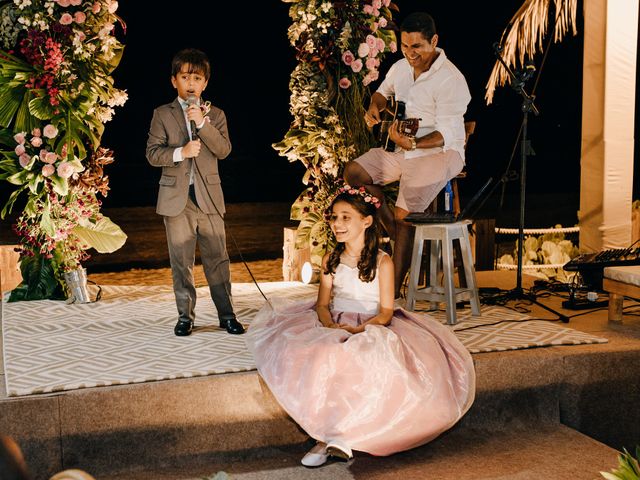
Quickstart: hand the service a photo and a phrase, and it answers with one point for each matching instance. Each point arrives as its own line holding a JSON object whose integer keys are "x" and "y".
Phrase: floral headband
{"x": 359, "y": 191}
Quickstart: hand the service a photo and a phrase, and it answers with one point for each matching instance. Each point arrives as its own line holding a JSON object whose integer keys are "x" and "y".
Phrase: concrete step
{"x": 231, "y": 419}
{"x": 547, "y": 452}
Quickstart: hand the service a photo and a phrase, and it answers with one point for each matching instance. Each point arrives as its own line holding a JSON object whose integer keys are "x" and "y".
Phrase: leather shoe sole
{"x": 232, "y": 326}
{"x": 183, "y": 328}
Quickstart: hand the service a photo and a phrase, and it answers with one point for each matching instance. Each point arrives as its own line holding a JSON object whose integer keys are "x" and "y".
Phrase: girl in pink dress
{"x": 353, "y": 371}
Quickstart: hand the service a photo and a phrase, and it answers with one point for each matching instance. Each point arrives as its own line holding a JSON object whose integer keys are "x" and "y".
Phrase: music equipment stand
{"x": 528, "y": 105}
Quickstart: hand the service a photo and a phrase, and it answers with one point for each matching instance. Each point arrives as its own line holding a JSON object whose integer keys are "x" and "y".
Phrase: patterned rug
{"x": 127, "y": 337}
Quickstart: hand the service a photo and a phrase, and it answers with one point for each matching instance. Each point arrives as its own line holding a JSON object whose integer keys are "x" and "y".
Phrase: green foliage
{"x": 628, "y": 467}
{"x": 39, "y": 280}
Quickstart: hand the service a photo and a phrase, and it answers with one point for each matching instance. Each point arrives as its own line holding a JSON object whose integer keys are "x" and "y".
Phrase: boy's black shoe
{"x": 232, "y": 326}
{"x": 183, "y": 328}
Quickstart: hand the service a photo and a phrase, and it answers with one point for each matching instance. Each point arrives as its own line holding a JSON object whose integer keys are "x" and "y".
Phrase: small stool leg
{"x": 470, "y": 271}
{"x": 414, "y": 270}
{"x": 449, "y": 288}
{"x": 434, "y": 269}
{"x": 615, "y": 307}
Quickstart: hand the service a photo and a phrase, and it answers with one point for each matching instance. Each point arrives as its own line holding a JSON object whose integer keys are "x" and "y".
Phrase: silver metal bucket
{"x": 76, "y": 281}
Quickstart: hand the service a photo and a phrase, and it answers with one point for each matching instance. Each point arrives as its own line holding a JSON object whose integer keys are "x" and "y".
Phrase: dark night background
{"x": 251, "y": 63}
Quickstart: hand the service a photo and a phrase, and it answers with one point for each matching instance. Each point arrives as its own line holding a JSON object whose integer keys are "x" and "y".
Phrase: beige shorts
{"x": 421, "y": 178}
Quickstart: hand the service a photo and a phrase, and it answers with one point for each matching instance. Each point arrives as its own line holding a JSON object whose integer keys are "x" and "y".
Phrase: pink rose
{"x": 386, "y": 3}
{"x": 24, "y": 160}
{"x": 49, "y": 157}
{"x": 66, "y": 19}
{"x": 393, "y": 48}
{"x": 64, "y": 3}
{"x": 75, "y": 3}
{"x": 380, "y": 44}
{"x": 36, "y": 132}
{"x": 50, "y": 131}
{"x": 373, "y": 75}
{"x": 373, "y": 52}
{"x": 363, "y": 50}
{"x": 20, "y": 149}
{"x": 371, "y": 63}
{"x": 48, "y": 170}
{"x": 356, "y": 66}
{"x": 20, "y": 138}
{"x": 113, "y": 6}
{"x": 79, "y": 17}
{"x": 382, "y": 22}
{"x": 368, "y": 9}
{"x": 377, "y": 3}
{"x": 348, "y": 57}
{"x": 96, "y": 8}
{"x": 36, "y": 142}
{"x": 371, "y": 41}
{"x": 65, "y": 170}
{"x": 42, "y": 154}
{"x": 344, "y": 82}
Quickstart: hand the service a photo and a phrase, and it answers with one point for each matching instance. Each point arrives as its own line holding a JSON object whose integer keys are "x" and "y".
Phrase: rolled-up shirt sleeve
{"x": 451, "y": 105}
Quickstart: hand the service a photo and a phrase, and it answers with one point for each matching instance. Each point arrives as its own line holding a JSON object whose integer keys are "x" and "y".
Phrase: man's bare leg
{"x": 356, "y": 176}
{"x": 402, "y": 249}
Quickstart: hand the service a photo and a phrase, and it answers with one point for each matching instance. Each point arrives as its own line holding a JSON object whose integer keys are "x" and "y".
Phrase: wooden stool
{"x": 620, "y": 282}
{"x": 442, "y": 236}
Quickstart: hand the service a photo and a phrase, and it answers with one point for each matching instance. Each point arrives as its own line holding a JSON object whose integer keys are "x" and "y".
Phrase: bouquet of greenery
{"x": 56, "y": 93}
{"x": 339, "y": 46}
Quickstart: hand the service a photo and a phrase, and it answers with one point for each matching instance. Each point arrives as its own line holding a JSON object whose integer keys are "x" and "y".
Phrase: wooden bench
{"x": 620, "y": 282}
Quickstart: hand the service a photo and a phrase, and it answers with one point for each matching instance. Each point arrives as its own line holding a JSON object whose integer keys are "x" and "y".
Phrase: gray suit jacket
{"x": 169, "y": 131}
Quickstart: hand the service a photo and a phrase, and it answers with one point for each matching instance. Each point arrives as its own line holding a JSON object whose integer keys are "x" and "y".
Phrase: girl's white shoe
{"x": 337, "y": 449}
{"x": 316, "y": 456}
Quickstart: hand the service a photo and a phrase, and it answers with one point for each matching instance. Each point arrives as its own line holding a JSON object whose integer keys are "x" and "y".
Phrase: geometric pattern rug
{"x": 127, "y": 337}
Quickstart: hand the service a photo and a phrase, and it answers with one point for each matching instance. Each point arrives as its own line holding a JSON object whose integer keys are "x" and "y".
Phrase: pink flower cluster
{"x": 65, "y": 215}
{"x": 48, "y": 158}
{"x": 360, "y": 191}
{"x": 367, "y": 53}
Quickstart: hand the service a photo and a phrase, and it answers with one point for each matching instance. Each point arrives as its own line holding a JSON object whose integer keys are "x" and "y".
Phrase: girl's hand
{"x": 350, "y": 329}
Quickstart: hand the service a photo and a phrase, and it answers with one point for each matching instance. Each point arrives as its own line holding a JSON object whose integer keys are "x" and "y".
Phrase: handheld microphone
{"x": 192, "y": 100}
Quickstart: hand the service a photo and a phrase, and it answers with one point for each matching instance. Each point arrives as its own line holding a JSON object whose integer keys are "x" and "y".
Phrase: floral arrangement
{"x": 548, "y": 249}
{"x": 56, "y": 93}
{"x": 339, "y": 46}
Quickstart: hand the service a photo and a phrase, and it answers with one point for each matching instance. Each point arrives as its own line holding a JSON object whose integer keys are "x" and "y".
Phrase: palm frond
{"x": 522, "y": 38}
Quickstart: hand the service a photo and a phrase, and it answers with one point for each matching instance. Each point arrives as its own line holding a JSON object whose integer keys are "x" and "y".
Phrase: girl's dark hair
{"x": 196, "y": 59}
{"x": 368, "y": 261}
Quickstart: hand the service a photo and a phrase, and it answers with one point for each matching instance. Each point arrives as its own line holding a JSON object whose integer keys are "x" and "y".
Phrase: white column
{"x": 609, "y": 80}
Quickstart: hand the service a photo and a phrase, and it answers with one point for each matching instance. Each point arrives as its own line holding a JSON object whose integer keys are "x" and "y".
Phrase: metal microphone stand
{"x": 517, "y": 83}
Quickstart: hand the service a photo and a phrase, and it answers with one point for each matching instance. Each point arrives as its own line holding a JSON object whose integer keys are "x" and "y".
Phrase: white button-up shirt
{"x": 438, "y": 97}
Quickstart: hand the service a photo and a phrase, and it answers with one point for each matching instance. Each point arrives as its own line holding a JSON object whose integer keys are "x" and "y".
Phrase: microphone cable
{"x": 194, "y": 136}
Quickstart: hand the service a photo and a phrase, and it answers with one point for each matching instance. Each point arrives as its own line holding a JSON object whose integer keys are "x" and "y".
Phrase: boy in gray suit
{"x": 186, "y": 139}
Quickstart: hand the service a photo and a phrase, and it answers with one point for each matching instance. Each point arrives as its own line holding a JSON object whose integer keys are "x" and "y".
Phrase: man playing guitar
{"x": 435, "y": 92}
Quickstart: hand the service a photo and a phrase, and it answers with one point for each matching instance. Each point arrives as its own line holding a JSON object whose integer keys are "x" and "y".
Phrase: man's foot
{"x": 183, "y": 328}
{"x": 317, "y": 456}
{"x": 232, "y": 326}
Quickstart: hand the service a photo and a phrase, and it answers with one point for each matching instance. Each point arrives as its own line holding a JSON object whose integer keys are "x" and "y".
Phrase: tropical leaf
{"x": 522, "y": 38}
{"x": 38, "y": 280}
{"x": 104, "y": 235}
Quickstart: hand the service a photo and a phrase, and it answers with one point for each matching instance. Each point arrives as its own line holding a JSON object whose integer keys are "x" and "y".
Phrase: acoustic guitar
{"x": 394, "y": 110}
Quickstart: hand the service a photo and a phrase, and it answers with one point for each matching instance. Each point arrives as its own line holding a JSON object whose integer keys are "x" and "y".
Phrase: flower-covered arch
{"x": 340, "y": 46}
{"x": 56, "y": 94}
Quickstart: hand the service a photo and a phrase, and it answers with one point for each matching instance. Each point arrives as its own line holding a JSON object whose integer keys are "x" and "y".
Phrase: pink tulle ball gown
{"x": 387, "y": 389}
